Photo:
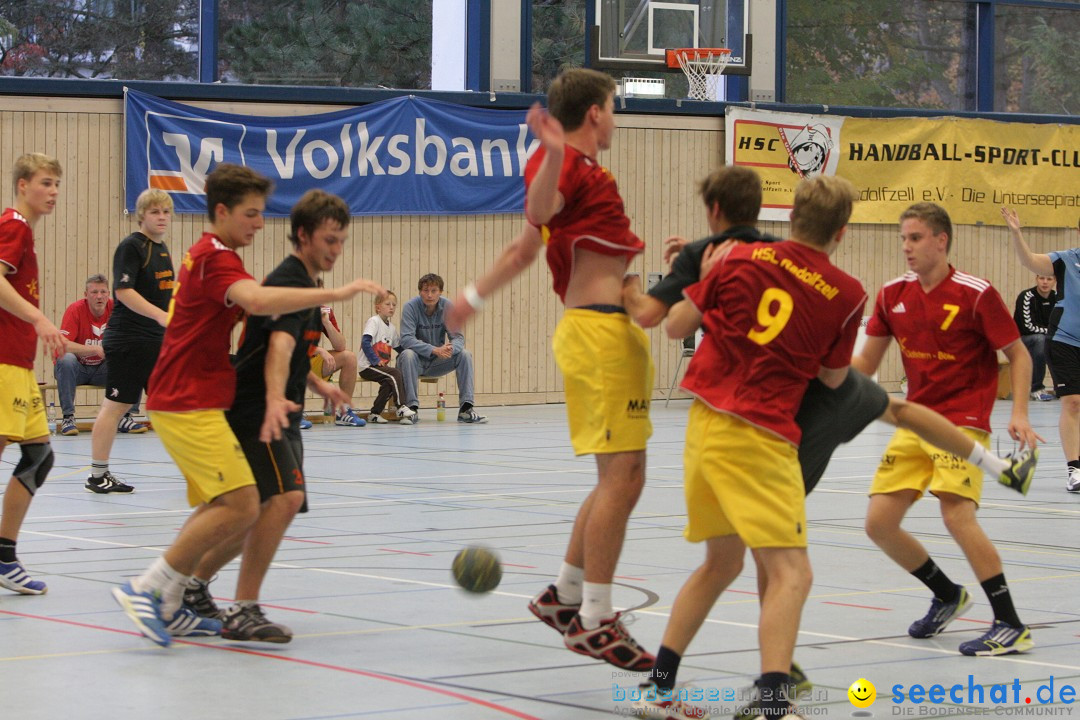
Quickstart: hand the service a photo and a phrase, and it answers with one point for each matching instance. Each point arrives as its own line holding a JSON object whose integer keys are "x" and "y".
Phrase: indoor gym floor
{"x": 382, "y": 632}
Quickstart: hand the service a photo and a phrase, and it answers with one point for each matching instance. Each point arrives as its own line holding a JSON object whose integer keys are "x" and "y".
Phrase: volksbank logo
{"x": 183, "y": 159}
{"x": 183, "y": 167}
{"x": 401, "y": 156}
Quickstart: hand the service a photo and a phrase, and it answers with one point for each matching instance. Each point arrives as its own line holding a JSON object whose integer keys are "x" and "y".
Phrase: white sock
{"x": 595, "y": 604}
{"x": 166, "y": 582}
{"x": 568, "y": 584}
{"x": 987, "y": 461}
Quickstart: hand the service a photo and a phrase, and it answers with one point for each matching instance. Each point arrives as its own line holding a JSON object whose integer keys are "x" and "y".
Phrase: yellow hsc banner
{"x": 970, "y": 167}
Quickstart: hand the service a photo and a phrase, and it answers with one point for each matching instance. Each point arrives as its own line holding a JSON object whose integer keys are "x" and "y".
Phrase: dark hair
{"x": 312, "y": 210}
{"x": 576, "y": 90}
{"x": 933, "y": 215}
{"x": 430, "y": 279}
{"x": 821, "y": 207}
{"x": 737, "y": 190}
{"x": 229, "y": 184}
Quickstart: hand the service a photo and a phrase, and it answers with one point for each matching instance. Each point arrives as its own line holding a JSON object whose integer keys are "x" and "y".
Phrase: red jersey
{"x": 193, "y": 371}
{"x": 592, "y": 215}
{"x": 774, "y": 313}
{"x": 949, "y": 338}
{"x": 81, "y": 327}
{"x": 19, "y": 346}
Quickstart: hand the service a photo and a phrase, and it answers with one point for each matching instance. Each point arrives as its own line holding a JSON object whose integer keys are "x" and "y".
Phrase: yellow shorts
{"x": 22, "y": 411}
{"x": 317, "y": 366}
{"x": 203, "y": 446}
{"x": 608, "y": 378}
{"x": 741, "y": 480}
{"x": 911, "y": 463}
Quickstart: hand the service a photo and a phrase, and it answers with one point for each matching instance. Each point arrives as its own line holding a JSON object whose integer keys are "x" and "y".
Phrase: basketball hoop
{"x": 702, "y": 66}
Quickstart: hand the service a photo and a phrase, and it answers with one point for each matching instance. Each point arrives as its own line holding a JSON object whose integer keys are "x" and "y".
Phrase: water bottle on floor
{"x": 440, "y": 412}
{"x": 52, "y": 418}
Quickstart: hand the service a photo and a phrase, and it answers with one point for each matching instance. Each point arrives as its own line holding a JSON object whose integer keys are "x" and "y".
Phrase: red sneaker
{"x": 547, "y": 607}
{"x": 609, "y": 642}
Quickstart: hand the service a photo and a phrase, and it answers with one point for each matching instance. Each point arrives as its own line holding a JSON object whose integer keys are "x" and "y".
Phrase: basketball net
{"x": 703, "y": 67}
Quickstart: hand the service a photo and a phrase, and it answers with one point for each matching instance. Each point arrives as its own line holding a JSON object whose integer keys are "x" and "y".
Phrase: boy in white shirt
{"x": 380, "y": 337}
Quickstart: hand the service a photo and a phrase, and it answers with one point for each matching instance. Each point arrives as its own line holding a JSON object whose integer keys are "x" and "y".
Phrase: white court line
{"x": 728, "y": 623}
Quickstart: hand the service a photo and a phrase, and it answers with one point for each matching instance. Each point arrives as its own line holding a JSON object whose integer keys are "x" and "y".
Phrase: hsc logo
{"x": 181, "y": 150}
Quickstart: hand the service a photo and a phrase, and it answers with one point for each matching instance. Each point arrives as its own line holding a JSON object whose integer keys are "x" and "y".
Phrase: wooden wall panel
{"x": 657, "y": 161}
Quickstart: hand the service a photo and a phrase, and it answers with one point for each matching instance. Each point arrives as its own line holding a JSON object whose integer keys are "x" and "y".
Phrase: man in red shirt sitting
{"x": 83, "y": 361}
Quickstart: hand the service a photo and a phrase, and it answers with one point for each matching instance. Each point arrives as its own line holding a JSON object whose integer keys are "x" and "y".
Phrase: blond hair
{"x": 29, "y": 164}
{"x": 822, "y": 207}
{"x": 151, "y": 197}
{"x": 380, "y": 299}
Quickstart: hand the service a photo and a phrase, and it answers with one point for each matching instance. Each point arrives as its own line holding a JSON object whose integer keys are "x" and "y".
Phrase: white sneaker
{"x": 406, "y": 415}
{"x": 376, "y": 419}
{"x": 1073, "y": 483}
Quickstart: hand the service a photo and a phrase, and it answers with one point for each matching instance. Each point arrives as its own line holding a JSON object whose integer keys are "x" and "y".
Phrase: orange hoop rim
{"x": 672, "y": 54}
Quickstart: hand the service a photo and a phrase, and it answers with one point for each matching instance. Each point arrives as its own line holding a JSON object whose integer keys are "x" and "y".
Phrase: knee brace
{"x": 34, "y": 466}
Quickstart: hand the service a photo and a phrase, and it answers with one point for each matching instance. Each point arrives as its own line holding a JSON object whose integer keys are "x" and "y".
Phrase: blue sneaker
{"x": 129, "y": 425}
{"x": 1000, "y": 639}
{"x": 144, "y": 609}
{"x": 187, "y": 623}
{"x": 13, "y": 576}
{"x": 305, "y": 424}
{"x": 940, "y": 615}
{"x": 349, "y": 418}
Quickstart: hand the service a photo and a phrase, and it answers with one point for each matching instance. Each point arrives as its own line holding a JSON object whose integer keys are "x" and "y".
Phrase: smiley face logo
{"x": 862, "y": 693}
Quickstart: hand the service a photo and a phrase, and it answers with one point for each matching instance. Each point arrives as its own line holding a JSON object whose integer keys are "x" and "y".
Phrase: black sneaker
{"x": 197, "y": 597}
{"x": 247, "y": 622}
{"x": 107, "y": 484}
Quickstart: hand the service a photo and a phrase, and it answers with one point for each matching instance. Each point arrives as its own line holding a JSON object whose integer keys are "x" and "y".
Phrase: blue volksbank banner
{"x": 397, "y": 157}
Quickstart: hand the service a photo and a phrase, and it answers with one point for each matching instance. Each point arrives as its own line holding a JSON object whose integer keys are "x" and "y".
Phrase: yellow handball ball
{"x": 477, "y": 569}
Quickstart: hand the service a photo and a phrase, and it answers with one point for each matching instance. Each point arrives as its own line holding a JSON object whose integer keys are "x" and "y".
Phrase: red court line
{"x": 863, "y": 607}
{"x": 310, "y": 663}
{"x": 529, "y": 567}
{"x": 742, "y": 592}
{"x": 313, "y": 542}
{"x": 981, "y": 622}
{"x": 627, "y": 577}
{"x": 96, "y": 522}
{"x": 291, "y": 609}
{"x": 405, "y": 552}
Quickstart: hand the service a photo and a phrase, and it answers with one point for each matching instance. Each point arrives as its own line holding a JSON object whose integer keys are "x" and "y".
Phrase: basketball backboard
{"x": 633, "y": 34}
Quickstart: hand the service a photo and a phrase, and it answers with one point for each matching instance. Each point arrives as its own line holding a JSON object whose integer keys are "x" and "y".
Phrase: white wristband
{"x": 473, "y": 297}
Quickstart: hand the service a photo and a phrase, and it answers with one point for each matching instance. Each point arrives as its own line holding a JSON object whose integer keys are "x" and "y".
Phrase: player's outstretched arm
{"x": 1037, "y": 263}
{"x": 15, "y": 304}
{"x": 512, "y": 261}
{"x": 1020, "y": 373}
{"x": 544, "y": 199}
{"x": 643, "y": 308}
{"x": 869, "y": 360}
{"x": 683, "y": 320}
{"x": 258, "y": 299}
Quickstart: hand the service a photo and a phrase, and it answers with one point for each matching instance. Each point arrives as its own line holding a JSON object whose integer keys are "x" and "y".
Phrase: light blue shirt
{"x": 1067, "y": 310}
{"x": 422, "y": 333}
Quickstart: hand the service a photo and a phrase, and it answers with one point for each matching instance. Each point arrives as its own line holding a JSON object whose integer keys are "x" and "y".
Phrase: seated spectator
{"x": 380, "y": 337}
{"x": 429, "y": 349}
{"x": 83, "y": 363}
{"x": 1032, "y": 316}
{"x": 338, "y": 358}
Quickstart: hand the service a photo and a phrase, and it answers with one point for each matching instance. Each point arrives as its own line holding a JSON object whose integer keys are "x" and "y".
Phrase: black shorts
{"x": 277, "y": 466}
{"x": 828, "y": 418}
{"x": 129, "y": 368}
{"x": 1064, "y": 361}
